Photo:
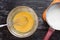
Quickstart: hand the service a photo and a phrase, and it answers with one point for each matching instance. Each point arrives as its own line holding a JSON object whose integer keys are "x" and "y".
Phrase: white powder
{"x": 53, "y": 16}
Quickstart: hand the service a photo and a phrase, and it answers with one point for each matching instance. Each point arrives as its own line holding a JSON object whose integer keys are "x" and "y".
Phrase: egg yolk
{"x": 23, "y": 22}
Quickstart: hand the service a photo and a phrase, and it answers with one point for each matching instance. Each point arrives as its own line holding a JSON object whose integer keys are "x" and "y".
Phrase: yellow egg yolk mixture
{"x": 23, "y": 22}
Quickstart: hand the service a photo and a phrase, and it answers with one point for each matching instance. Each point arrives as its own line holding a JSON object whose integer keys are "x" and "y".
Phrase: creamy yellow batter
{"x": 23, "y": 21}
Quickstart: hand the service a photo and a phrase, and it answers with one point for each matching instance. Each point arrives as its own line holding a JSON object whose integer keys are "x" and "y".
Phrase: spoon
{"x": 3, "y": 25}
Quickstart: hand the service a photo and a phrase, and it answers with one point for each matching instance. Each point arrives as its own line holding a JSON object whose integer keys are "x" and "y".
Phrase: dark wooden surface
{"x": 38, "y": 5}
